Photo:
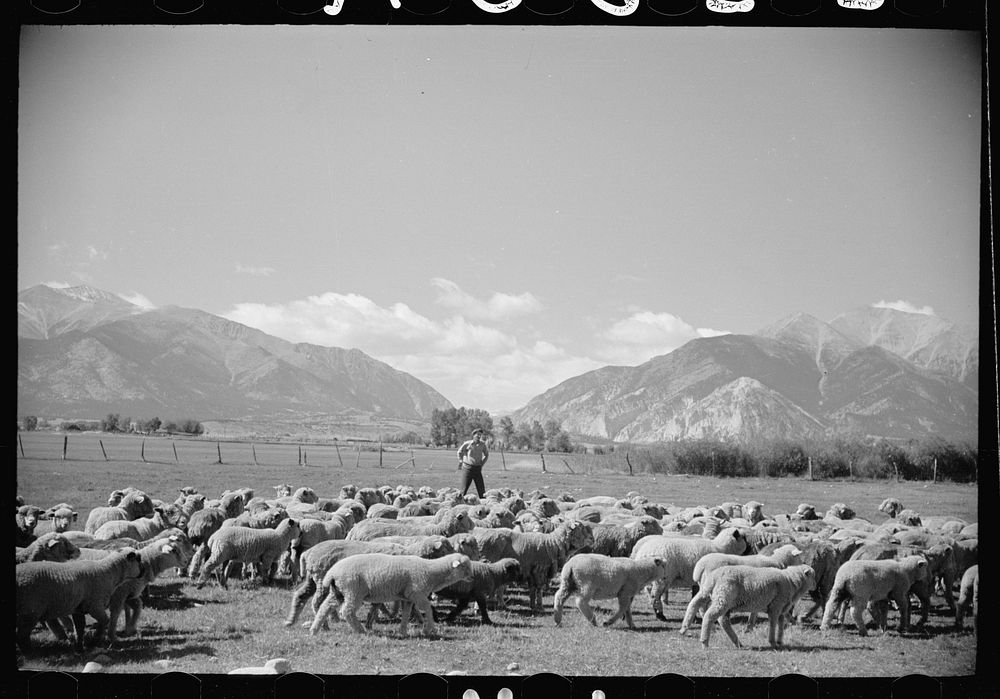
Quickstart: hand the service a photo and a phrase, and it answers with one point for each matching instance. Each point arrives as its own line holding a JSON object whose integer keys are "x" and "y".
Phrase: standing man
{"x": 472, "y": 455}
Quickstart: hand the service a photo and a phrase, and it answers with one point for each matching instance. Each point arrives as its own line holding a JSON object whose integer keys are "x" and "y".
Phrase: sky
{"x": 495, "y": 210}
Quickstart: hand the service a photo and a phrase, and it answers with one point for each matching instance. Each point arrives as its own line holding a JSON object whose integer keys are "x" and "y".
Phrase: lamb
{"x": 486, "y": 580}
{"x": 681, "y": 554}
{"x": 891, "y": 507}
{"x": 316, "y": 561}
{"x": 542, "y": 555}
{"x": 59, "y": 518}
{"x": 619, "y": 540}
{"x": 132, "y": 505}
{"x": 968, "y": 596}
{"x": 173, "y": 552}
{"x": 139, "y": 529}
{"x": 782, "y": 557}
{"x": 26, "y": 518}
{"x": 48, "y": 591}
{"x": 454, "y": 523}
{"x": 825, "y": 560}
{"x": 53, "y": 546}
{"x": 872, "y": 581}
{"x": 750, "y": 589}
{"x": 263, "y": 546}
{"x": 590, "y": 576}
{"x": 200, "y": 528}
{"x": 382, "y": 578}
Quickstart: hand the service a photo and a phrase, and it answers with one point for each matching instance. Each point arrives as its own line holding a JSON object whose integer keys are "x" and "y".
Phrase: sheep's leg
{"x": 319, "y": 621}
{"x": 658, "y": 596}
{"x": 697, "y": 604}
{"x": 299, "y": 600}
{"x": 460, "y": 605}
{"x": 624, "y": 600}
{"x": 424, "y": 607}
{"x": 707, "y": 621}
{"x": 57, "y": 629}
{"x": 114, "y": 612}
{"x": 23, "y": 634}
{"x": 925, "y": 603}
{"x": 404, "y": 617}
{"x": 134, "y": 606}
{"x": 80, "y": 625}
{"x": 830, "y": 611}
{"x": 727, "y": 626}
{"x": 628, "y": 614}
{"x": 903, "y": 600}
{"x": 562, "y": 594}
{"x": 583, "y": 604}
{"x": 857, "y": 610}
{"x": 481, "y": 603}
{"x": 348, "y": 611}
{"x": 197, "y": 560}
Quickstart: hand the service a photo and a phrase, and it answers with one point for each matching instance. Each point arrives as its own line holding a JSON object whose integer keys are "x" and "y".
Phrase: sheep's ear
{"x": 795, "y": 552}
{"x": 140, "y": 498}
{"x": 456, "y": 563}
{"x": 52, "y": 543}
{"x": 167, "y": 548}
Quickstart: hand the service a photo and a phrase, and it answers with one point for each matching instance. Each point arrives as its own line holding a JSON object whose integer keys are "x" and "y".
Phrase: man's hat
{"x": 476, "y": 431}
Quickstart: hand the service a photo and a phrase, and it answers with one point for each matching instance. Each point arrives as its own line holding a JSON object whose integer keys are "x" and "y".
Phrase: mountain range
{"x": 870, "y": 371}
{"x": 84, "y": 352}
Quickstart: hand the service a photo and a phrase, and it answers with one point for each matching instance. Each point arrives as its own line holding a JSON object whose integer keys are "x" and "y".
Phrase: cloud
{"x": 470, "y": 363}
{"x": 94, "y": 254}
{"x": 905, "y": 307}
{"x": 498, "y": 307}
{"x": 254, "y": 271}
{"x": 57, "y": 285}
{"x": 645, "y": 334}
{"x": 139, "y": 300}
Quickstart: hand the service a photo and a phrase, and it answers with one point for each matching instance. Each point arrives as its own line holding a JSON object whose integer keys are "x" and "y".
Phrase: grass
{"x": 214, "y": 630}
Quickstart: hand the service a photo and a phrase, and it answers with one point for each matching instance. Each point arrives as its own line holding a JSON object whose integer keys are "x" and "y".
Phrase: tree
{"x": 537, "y": 435}
{"x": 506, "y": 430}
{"x": 30, "y": 423}
{"x": 111, "y": 423}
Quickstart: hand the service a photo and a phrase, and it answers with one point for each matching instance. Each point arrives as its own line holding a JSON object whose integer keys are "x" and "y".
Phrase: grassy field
{"x": 214, "y": 630}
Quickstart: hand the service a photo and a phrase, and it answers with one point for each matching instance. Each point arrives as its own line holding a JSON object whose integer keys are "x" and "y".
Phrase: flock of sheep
{"x": 404, "y": 549}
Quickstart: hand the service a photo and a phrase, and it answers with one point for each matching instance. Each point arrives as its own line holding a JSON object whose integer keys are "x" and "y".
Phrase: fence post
{"x": 380, "y": 452}
{"x": 810, "y": 468}
{"x": 254, "y": 450}
{"x": 502, "y": 459}
{"x": 850, "y": 468}
{"x": 629, "y": 464}
{"x": 357, "y": 463}
{"x": 337, "y": 447}
{"x": 142, "y": 451}
{"x": 218, "y": 448}
{"x": 543, "y": 462}
{"x": 305, "y": 458}
{"x": 65, "y": 444}
{"x": 101, "y": 442}
{"x": 935, "y": 470}
{"x": 20, "y": 445}
{"x": 300, "y": 455}
{"x": 174, "y": 445}
{"x": 567, "y": 465}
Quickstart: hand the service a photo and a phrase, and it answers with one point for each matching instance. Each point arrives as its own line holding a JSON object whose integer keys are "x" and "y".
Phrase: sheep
{"x": 891, "y": 507}
{"x": 57, "y": 518}
{"x": 25, "y": 519}
{"x": 825, "y": 559}
{"x": 486, "y": 580}
{"x": 590, "y": 576}
{"x": 383, "y": 578}
{"x": 138, "y": 529}
{"x": 132, "y": 505}
{"x": 47, "y": 591}
{"x": 751, "y": 589}
{"x": 542, "y": 555}
{"x": 263, "y": 546}
{"x": 619, "y": 540}
{"x": 753, "y": 512}
{"x": 453, "y": 523}
{"x": 872, "y": 581}
{"x": 316, "y": 561}
{"x": 681, "y": 553}
{"x": 200, "y": 528}
{"x": 968, "y": 596}
{"x": 53, "y": 546}
{"x": 368, "y": 497}
{"x": 382, "y": 511}
{"x": 282, "y": 491}
{"x": 909, "y": 518}
{"x": 940, "y": 563}
{"x": 172, "y": 552}
{"x": 782, "y": 557}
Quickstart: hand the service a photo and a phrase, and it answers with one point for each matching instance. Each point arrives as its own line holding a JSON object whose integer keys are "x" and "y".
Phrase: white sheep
{"x": 681, "y": 553}
{"x": 589, "y": 576}
{"x": 381, "y": 578}
{"x": 619, "y": 539}
{"x": 140, "y": 529}
{"x": 453, "y": 523}
{"x": 750, "y": 589}
{"x": 255, "y": 546}
{"x": 782, "y": 557}
{"x": 47, "y": 591}
{"x": 171, "y": 552}
{"x": 891, "y": 507}
{"x": 863, "y": 582}
{"x": 486, "y": 580}
{"x": 26, "y": 519}
{"x": 542, "y": 555}
{"x": 968, "y": 596}
{"x": 200, "y": 528}
{"x": 53, "y": 546}
{"x": 317, "y": 560}
{"x": 132, "y": 505}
